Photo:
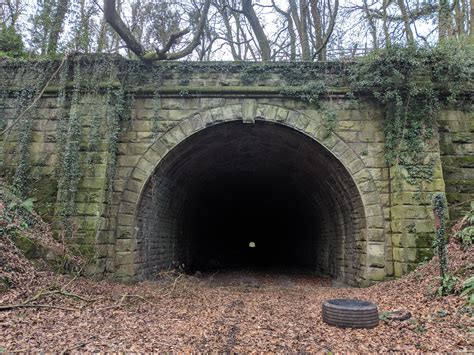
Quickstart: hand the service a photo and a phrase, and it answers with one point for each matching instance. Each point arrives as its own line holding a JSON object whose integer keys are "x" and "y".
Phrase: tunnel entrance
{"x": 252, "y": 196}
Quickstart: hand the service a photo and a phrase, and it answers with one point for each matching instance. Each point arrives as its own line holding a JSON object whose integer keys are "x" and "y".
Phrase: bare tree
{"x": 10, "y": 11}
{"x": 117, "y": 23}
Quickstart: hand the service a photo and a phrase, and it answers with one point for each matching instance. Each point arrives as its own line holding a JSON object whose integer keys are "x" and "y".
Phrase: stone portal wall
{"x": 169, "y": 104}
{"x": 457, "y": 155}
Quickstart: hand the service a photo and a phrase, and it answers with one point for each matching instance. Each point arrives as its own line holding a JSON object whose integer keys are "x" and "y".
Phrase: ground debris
{"x": 220, "y": 312}
{"x": 239, "y": 311}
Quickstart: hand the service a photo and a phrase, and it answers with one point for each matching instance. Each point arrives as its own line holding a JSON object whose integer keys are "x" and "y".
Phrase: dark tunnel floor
{"x": 259, "y": 278}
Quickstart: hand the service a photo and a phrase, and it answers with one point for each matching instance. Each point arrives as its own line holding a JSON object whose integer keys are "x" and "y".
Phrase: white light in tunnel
{"x": 252, "y": 245}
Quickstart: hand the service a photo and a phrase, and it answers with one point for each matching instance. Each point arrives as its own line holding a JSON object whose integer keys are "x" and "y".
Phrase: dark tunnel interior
{"x": 243, "y": 211}
{"x": 249, "y": 196}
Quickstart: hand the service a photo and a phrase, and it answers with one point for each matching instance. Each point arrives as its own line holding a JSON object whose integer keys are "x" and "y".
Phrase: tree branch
{"x": 197, "y": 36}
{"x": 171, "y": 41}
{"x": 113, "y": 18}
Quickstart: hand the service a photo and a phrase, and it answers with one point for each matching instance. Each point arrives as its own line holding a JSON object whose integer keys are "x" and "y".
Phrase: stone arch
{"x": 370, "y": 243}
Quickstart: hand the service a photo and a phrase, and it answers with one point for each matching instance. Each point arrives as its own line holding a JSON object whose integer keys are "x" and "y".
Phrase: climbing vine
{"x": 440, "y": 243}
{"x": 118, "y": 111}
{"x": 71, "y": 172}
{"x": 410, "y": 83}
{"x": 61, "y": 127}
{"x": 21, "y": 174}
{"x": 157, "y": 78}
{"x": 25, "y": 106}
{"x": 310, "y": 92}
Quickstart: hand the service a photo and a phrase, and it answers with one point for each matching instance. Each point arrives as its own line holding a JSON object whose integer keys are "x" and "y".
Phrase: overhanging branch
{"x": 114, "y": 19}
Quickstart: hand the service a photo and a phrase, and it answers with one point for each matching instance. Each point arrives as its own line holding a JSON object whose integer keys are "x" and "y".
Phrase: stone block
{"x": 127, "y": 160}
{"x": 139, "y": 175}
{"x": 374, "y": 222}
{"x": 367, "y": 186}
{"x": 145, "y": 166}
{"x": 125, "y": 271}
{"x": 125, "y": 245}
{"x": 349, "y": 136}
{"x": 375, "y": 274}
{"x": 343, "y": 125}
{"x": 355, "y": 166}
{"x": 297, "y": 120}
{"x": 130, "y": 196}
{"x": 370, "y": 198}
{"x": 312, "y": 127}
{"x": 373, "y": 210}
{"x": 127, "y": 208}
{"x": 339, "y": 149}
{"x": 374, "y": 161}
{"x": 411, "y": 212}
{"x": 177, "y": 134}
{"x": 330, "y": 142}
{"x": 90, "y": 209}
{"x": 375, "y": 235}
{"x": 281, "y": 115}
{"x": 249, "y": 110}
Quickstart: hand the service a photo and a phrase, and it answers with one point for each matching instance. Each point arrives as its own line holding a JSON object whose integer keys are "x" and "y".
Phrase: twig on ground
{"x": 117, "y": 305}
{"x": 173, "y": 287}
{"x": 28, "y": 303}
{"x": 23, "y": 305}
{"x": 79, "y": 345}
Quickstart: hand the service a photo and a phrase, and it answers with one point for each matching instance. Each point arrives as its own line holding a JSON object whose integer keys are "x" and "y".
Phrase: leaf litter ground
{"x": 232, "y": 311}
{"x": 238, "y": 311}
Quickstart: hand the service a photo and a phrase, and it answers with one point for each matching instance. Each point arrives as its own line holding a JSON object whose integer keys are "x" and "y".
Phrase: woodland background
{"x": 254, "y": 30}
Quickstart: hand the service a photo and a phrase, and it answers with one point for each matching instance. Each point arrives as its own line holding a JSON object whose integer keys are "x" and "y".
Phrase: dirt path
{"x": 238, "y": 312}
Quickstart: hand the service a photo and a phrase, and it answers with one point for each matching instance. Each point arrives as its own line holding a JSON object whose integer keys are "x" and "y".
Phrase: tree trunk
{"x": 263, "y": 43}
{"x": 228, "y": 34}
{"x": 305, "y": 51}
{"x": 458, "y": 18}
{"x": 300, "y": 19}
{"x": 444, "y": 20}
{"x": 291, "y": 30}
{"x": 388, "y": 40}
{"x": 406, "y": 22}
{"x": 56, "y": 27}
{"x": 315, "y": 13}
{"x": 321, "y": 49}
{"x": 471, "y": 23}
{"x": 372, "y": 28}
{"x": 102, "y": 37}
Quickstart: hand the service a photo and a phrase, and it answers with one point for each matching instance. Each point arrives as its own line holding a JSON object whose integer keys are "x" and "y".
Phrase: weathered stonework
{"x": 371, "y": 224}
{"x": 457, "y": 154}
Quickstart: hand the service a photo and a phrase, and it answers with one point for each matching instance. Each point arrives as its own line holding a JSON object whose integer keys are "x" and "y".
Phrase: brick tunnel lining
{"x": 235, "y": 183}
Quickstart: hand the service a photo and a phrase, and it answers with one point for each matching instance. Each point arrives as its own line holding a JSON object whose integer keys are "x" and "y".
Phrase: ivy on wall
{"x": 23, "y": 104}
{"x": 20, "y": 180}
{"x": 70, "y": 176}
{"x": 410, "y": 83}
{"x": 157, "y": 78}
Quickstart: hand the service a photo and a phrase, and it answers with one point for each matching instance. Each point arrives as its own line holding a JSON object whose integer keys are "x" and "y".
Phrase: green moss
{"x": 87, "y": 251}
{"x": 30, "y": 248}
{"x": 424, "y": 240}
{"x": 423, "y": 254}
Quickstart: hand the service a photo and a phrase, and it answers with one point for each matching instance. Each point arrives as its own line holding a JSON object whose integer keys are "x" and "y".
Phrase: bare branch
{"x": 113, "y": 18}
